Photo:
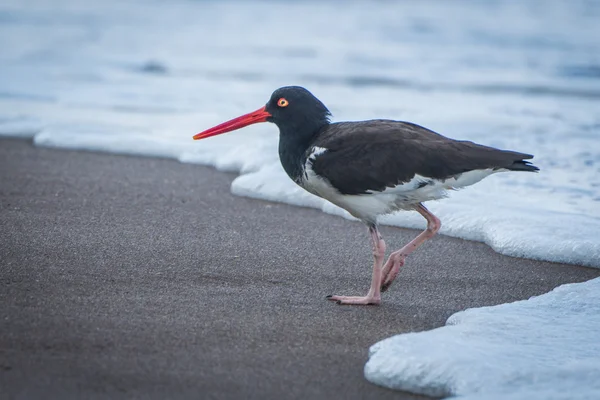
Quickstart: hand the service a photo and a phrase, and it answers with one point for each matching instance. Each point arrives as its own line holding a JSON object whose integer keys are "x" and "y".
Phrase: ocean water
{"x": 141, "y": 77}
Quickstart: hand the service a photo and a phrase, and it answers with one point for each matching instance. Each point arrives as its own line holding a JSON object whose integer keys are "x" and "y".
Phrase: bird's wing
{"x": 372, "y": 156}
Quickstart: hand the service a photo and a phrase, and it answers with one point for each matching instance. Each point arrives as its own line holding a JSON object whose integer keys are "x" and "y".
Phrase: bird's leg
{"x": 396, "y": 260}
{"x": 374, "y": 295}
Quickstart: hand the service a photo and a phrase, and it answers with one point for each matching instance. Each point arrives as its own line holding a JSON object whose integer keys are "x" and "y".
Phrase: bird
{"x": 372, "y": 168}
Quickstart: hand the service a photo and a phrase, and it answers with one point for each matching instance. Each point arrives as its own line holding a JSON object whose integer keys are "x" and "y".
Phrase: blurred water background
{"x": 141, "y": 77}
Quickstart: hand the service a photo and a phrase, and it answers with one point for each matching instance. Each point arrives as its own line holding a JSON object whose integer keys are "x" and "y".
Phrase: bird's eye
{"x": 282, "y": 102}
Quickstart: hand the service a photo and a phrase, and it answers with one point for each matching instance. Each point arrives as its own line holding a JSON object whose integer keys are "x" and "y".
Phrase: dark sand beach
{"x": 127, "y": 277}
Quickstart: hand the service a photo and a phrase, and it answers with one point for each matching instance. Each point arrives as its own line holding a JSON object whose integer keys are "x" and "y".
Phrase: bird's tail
{"x": 522, "y": 165}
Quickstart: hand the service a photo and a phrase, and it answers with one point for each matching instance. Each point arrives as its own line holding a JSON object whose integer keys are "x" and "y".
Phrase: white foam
{"x": 546, "y": 347}
{"x": 110, "y": 139}
{"x": 117, "y": 77}
{"x": 20, "y": 127}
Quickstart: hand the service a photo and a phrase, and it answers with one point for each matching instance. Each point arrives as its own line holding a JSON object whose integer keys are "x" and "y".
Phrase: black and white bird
{"x": 372, "y": 168}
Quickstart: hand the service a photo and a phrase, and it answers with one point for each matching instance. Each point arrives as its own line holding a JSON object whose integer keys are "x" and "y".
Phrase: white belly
{"x": 369, "y": 206}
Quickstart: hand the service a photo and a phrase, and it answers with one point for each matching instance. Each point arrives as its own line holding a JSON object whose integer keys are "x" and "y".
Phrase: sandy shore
{"x": 127, "y": 277}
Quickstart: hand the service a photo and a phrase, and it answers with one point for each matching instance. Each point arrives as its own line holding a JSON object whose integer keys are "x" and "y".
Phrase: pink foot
{"x": 391, "y": 270}
{"x": 360, "y": 300}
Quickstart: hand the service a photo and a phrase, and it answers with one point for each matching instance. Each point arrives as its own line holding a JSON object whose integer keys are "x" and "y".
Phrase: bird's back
{"x": 375, "y": 155}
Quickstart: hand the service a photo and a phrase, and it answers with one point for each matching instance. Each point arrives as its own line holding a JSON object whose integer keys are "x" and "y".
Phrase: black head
{"x": 293, "y": 109}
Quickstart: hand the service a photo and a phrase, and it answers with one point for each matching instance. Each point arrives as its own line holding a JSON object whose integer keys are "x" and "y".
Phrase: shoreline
{"x": 129, "y": 276}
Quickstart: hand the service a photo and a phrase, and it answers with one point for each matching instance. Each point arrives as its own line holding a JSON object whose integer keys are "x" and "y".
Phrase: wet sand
{"x": 126, "y": 277}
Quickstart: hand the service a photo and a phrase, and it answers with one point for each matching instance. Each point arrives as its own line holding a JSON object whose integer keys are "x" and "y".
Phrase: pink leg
{"x": 396, "y": 260}
{"x": 374, "y": 295}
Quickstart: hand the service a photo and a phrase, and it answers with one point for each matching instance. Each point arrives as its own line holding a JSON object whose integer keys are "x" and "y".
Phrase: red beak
{"x": 254, "y": 117}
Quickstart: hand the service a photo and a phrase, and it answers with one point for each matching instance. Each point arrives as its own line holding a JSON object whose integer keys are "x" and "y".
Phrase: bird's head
{"x": 293, "y": 109}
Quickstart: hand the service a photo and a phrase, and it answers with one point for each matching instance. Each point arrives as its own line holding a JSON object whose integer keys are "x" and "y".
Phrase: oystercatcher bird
{"x": 372, "y": 168}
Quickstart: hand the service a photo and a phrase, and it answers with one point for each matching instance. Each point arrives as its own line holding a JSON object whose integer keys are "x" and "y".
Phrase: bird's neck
{"x": 293, "y": 144}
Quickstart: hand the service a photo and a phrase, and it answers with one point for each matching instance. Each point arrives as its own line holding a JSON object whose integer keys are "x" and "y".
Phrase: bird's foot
{"x": 391, "y": 270}
{"x": 358, "y": 300}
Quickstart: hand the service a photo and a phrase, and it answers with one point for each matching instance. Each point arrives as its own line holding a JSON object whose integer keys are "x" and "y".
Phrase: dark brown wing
{"x": 373, "y": 155}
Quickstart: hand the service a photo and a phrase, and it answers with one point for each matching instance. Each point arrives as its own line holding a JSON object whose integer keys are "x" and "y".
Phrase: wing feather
{"x": 370, "y": 156}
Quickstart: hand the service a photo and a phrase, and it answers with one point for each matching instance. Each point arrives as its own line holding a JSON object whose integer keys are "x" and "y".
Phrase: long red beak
{"x": 254, "y": 117}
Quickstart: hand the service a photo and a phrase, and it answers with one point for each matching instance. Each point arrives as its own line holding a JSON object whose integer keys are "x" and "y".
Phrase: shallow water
{"x": 143, "y": 77}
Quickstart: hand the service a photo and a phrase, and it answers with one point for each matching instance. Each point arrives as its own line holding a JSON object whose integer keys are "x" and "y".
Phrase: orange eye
{"x": 282, "y": 102}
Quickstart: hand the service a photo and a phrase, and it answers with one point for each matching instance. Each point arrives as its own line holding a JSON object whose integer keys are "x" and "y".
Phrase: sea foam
{"x": 546, "y": 347}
